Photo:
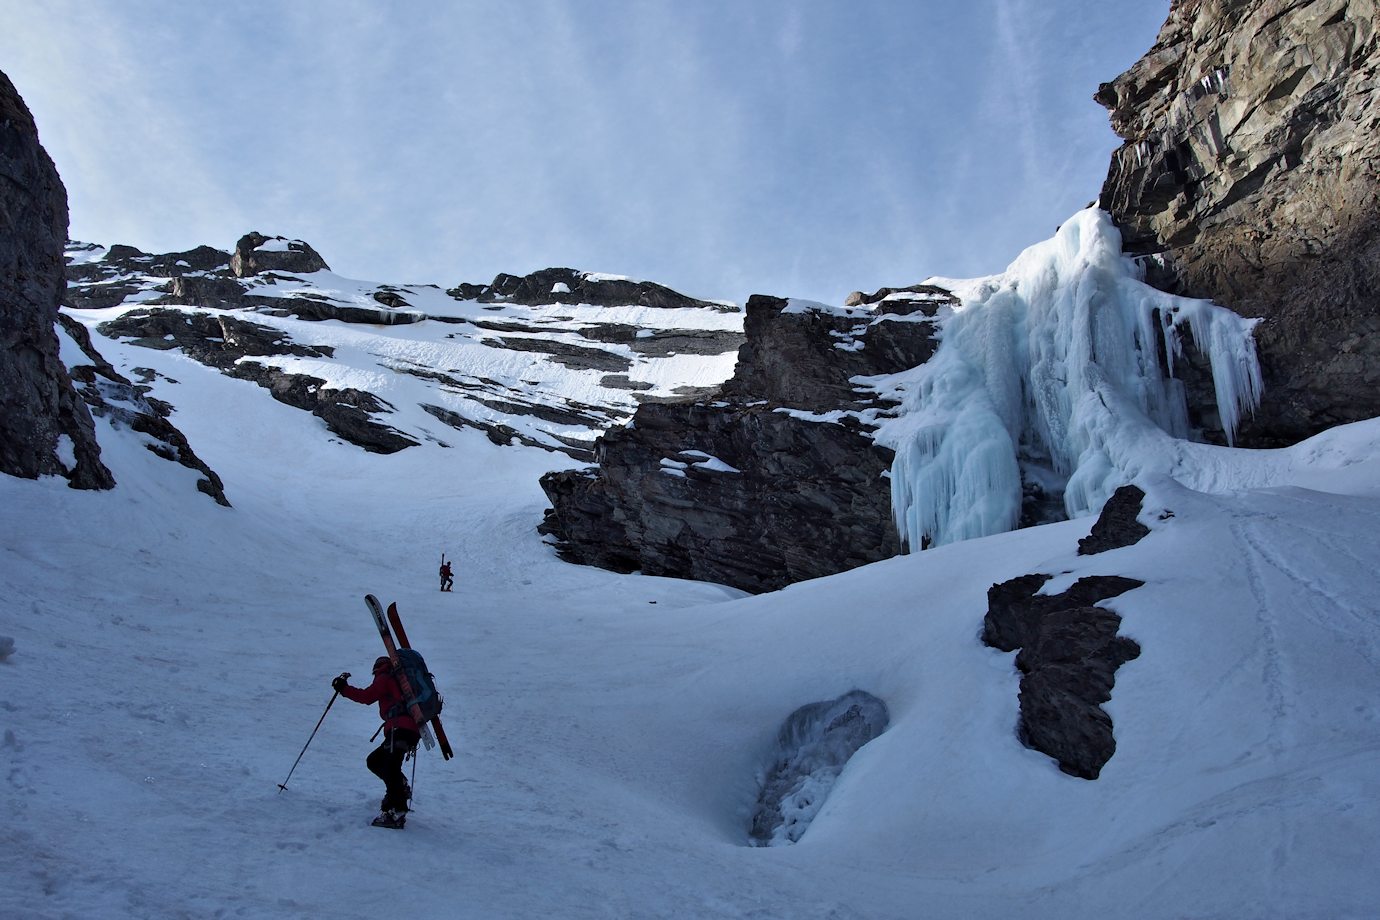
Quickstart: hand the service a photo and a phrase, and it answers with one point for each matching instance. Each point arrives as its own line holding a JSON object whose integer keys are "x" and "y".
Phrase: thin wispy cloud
{"x": 723, "y": 148}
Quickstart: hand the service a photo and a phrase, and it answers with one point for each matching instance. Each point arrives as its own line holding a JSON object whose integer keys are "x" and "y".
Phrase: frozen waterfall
{"x": 1058, "y": 365}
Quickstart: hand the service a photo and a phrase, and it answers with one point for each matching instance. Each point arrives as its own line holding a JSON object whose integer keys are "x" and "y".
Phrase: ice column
{"x": 1059, "y": 356}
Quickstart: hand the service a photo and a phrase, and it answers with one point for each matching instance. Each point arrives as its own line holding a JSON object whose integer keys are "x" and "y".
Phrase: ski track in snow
{"x": 1272, "y": 668}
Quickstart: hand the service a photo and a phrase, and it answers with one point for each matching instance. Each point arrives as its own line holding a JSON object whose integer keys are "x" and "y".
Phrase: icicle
{"x": 1231, "y": 351}
{"x": 1059, "y": 356}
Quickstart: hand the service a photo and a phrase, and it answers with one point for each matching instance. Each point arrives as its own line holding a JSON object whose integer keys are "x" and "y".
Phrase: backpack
{"x": 422, "y": 683}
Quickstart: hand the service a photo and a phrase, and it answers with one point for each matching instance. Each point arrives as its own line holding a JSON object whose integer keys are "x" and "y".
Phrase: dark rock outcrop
{"x": 573, "y": 356}
{"x": 319, "y": 308}
{"x": 567, "y": 285}
{"x": 1069, "y": 654}
{"x": 222, "y": 340}
{"x": 661, "y": 343}
{"x": 218, "y": 291}
{"x": 805, "y": 357}
{"x": 1069, "y": 649}
{"x": 218, "y": 302}
{"x": 1117, "y": 526}
{"x": 111, "y": 395}
{"x": 748, "y": 497}
{"x": 255, "y": 254}
{"x": 812, "y": 748}
{"x": 207, "y": 277}
{"x": 918, "y": 293}
{"x": 1251, "y": 172}
{"x": 776, "y": 480}
{"x": 39, "y": 407}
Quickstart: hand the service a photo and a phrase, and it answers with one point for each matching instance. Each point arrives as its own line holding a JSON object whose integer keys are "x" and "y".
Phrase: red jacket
{"x": 386, "y": 692}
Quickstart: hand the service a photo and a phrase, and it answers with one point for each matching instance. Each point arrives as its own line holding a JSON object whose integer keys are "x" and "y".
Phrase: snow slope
{"x": 172, "y": 656}
{"x": 552, "y": 375}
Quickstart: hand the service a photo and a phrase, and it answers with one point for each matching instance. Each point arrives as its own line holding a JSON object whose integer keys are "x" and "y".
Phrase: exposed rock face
{"x": 110, "y": 394}
{"x": 744, "y": 496}
{"x": 812, "y": 748}
{"x": 1069, "y": 653}
{"x": 914, "y": 292}
{"x": 1069, "y": 649}
{"x": 38, "y": 405}
{"x": 256, "y": 253}
{"x": 1252, "y": 167}
{"x": 208, "y": 277}
{"x": 759, "y": 488}
{"x": 1117, "y": 525}
{"x": 805, "y": 357}
{"x": 223, "y": 340}
{"x": 566, "y": 285}
{"x": 519, "y": 400}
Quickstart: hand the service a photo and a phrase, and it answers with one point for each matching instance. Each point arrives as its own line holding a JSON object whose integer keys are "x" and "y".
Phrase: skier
{"x": 446, "y": 580}
{"x": 400, "y": 737}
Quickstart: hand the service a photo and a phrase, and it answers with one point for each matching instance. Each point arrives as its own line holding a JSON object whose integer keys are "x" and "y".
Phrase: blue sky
{"x": 803, "y": 148}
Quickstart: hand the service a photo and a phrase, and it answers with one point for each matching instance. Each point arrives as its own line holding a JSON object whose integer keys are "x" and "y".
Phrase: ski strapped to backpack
{"x": 414, "y": 701}
{"x": 421, "y": 684}
{"x": 396, "y": 622}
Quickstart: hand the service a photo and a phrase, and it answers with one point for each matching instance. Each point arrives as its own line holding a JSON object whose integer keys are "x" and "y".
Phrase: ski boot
{"x": 399, "y": 804}
{"x": 391, "y": 819}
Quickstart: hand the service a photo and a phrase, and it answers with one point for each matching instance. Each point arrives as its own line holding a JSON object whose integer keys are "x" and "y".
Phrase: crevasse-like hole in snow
{"x": 1057, "y": 358}
{"x": 812, "y": 747}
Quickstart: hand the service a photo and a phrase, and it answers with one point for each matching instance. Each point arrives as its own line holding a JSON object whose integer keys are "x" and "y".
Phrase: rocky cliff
{"x": 1251, "y": 175}
{"x": 1248, "y": 176}
{"x": 45, "y": 428}
{"x": 773, "y": 481}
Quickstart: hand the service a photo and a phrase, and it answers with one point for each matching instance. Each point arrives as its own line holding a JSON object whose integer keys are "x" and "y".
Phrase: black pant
{"x": 386, "y": 763}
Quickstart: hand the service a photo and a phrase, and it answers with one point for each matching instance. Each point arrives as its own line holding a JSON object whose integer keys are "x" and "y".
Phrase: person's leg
{"x": 386, "y": 763}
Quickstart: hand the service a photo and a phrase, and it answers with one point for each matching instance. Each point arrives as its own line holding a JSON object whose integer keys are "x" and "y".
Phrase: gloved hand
{"x": 339, "y": 684}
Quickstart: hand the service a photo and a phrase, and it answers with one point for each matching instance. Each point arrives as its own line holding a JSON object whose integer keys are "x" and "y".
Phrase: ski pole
{"x": 283, "y": 784}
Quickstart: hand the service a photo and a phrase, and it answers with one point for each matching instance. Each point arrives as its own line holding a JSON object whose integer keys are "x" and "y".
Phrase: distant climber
{"x": 400, "y": 737}
{"x": 446, "y": 580}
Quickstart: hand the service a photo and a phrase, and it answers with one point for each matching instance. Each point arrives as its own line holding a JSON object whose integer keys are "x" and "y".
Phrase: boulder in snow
{"x": 256, "y": 253}
{"x": 1069, "y": 654}
{"x": 1117, "y": 525}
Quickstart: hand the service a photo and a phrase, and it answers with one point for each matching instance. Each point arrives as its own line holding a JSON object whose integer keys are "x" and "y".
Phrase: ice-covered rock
{"x": 1064, "y": 362}
{"x": 813, "y": 746}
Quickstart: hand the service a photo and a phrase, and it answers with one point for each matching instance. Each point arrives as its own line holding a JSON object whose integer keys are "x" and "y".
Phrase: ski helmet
{"x": 383, "y": 661}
